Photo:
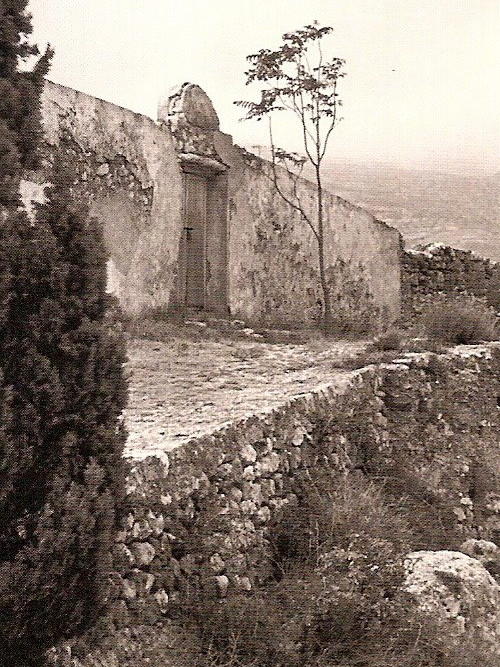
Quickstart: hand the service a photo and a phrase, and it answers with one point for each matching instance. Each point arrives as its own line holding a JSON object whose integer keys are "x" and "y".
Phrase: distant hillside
{"x": 459, "y": 210}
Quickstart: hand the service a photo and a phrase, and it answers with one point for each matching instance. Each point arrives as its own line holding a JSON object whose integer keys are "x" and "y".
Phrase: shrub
{"x": 390, "y": 340}
{"x": 460, "y": 321}
{"x": 342, "y": 569}
{"x": 341, "y": 590}
{"x": 337, "y": 597}
{"x": 430, "y": 518}
{"x": 246, "y": 631}
{"x": 492, "y": 291}
{"x": 330, "y": 513}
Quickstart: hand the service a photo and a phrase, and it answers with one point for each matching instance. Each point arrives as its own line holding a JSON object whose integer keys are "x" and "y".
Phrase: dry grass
{"x": 460, "y": 322}
{"x": 336, "y": 600}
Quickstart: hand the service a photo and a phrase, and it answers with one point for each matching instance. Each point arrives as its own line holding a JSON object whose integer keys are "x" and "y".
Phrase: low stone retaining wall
{"x": 199, "y": 521}
{"x": 439, "y": 269}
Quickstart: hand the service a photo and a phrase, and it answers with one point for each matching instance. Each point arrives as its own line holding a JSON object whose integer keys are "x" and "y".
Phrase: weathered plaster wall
{"x": 261, "y": 259}
{"x": 198, "y": 521}
{"x": 274, "y": 273}
{"x": 438, "y": 269}
{"x": 128, "y": 171}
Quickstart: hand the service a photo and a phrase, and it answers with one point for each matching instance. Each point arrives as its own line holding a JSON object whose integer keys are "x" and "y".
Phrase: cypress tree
{"x": 20, "y": 128}
{"x": 61, "y": 386}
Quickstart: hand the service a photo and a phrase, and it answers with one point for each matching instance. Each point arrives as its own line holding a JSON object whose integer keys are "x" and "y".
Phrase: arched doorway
{"x": 202, "y": 272}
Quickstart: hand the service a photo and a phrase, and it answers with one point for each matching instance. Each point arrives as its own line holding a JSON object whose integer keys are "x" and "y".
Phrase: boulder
{"x": 461, "y": 597}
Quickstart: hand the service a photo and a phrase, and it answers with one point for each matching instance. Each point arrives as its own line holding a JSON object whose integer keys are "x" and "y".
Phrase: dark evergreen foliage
{"x": 62, "y": 389}
{"x": 20, "y": 130}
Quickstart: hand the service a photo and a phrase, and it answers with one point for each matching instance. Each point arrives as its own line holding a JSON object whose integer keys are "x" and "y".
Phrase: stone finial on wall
{"x": 192, "y": 119}
{"x": 190, "y": 102}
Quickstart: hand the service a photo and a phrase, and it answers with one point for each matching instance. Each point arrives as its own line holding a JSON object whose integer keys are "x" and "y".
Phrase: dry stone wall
{"x": 437, "y": 269}
{"x": 199, "y": 521}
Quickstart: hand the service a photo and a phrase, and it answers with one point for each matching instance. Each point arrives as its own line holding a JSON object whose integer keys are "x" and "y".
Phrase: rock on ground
{"x": 461, "y": 597}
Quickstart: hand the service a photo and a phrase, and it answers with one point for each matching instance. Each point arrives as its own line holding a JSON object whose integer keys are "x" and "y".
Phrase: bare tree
{"x": 298, "y": 79}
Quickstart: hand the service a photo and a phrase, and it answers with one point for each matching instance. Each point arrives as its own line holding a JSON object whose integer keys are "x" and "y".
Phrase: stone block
{"x": 187, "y": 563}
{"x": 217, "y": 564}
{"x": 141, "y": 530}
{"x": 222, "y": 583}
{"x": 143, "y": 552}
{"x": 129, "y": 591}
{"x": 103, "y": 169}
{"x": 123, "y": 558}
{"x": 268, "y": 465}
{"x": 156, "y": 523}
{"x": 248, "y": 454}
{"x": 162, "y": 599}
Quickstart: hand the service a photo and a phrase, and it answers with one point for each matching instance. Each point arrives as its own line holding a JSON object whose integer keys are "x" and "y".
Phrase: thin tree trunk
{"x": 327, "y": 305}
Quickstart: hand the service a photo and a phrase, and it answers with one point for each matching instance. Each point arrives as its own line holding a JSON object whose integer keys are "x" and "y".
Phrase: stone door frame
{"x": 215, "y": 255}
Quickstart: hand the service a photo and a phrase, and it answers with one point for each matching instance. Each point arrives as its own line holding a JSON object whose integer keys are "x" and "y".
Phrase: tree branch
{"x": 305, "y": 130}
{"x": 333, "y": 122}
{"x": 274, "y": 179}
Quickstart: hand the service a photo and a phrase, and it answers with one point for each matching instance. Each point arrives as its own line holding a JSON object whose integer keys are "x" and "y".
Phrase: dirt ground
{"x": 184, "y": 387}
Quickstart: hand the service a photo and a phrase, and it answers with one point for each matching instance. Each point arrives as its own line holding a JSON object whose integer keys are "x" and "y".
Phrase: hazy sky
{"x": 423, "y": 75}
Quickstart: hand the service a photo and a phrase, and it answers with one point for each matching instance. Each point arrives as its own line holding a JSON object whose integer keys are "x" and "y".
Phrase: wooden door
{"x": 195, "y": 222}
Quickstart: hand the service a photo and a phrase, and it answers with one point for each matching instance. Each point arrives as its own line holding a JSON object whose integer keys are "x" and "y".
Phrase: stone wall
{"x": 273, "y": 274}
{"x": 438, "y": 269}
{"x": 260, "y": 260}
{"x": 127, "y": 170}
{"x": 198, "y": 520}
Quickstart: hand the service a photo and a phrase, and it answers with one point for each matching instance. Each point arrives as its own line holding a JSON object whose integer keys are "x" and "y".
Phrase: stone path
{"x": 184, "y": 388}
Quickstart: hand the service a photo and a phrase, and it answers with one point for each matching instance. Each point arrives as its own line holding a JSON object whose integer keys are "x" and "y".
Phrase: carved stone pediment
{"x": 192, "y": 120}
